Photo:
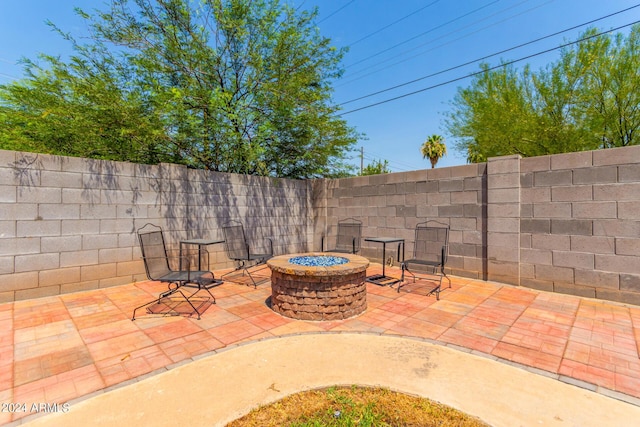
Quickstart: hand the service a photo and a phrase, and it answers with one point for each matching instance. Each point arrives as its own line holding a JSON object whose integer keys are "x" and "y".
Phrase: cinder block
{"x": 535, "y": 195}
{"x": 502, "y": 253}
{"x": 576, "y": 260}
{"x": 510, "y": 180}
{"x": 617, "y": 192}
{"x": 629, "y": 210}
{"x": 83, "y": 197}
{"x": 99, "y": 241}
{"x": 552, "y": 178}
{"x": 526, "y": 180}
{"x": 60, "y": 179}
{"x": 617, "y": 156}
{"x": 81, "y": 226}
{"x": 535, "y": 164}
{"x": 48, "y": 211}
{"x": 597, "y": 279}
{"x": 80, "y": 286}
{"x": 503, "y": 225}
{"x": 439, "y": 199}
{"x": 58, "y": 244}
{"x": 37, "y": 292}
{"x": 18, "y": 281}
{"x": 629, "y": 173}
{"x": 595, "y": 175}
{"x": 473, "y": 211}
{"x": 536, "y": 256}
{"x": 581, "y": 159}
{"x": 504, "y": 272}
{"x": 526, "y": 210}
{"x": 537, "y": 226}
{"x": 593, "y": 244}
{"x": 8, "y": 194}
{"x": 474, "y": 183}
{"x": 572, "y": 227}
{"x": 503, "y": 195}
{"x": 618, "y": 263}
{"x": 503, "y": 164}
{"x": 569, "y": 289}
{"x": 37, "y": 228}
{"x": 449, "y": 185}
{"x": 572, "y": 193}
{"x": 450, "y": 211}
{"x": 39, "y": 195}
{"x": 554, "y": 273}
{"x": 550, "y": 242}
{"x": 97, "y": 272}
{"x": 20, "y": 246}
{"x": 438, "y": 174}
{"x": 464, "y": 197}
{"x": 628, "y": 246}
{"x": 406, "y": 211}
{"x": 630, "y": 282}
{"x": 78, "y": 258}
{"x": 540, "y": 285}
{"x": 459, "y": 224}
{"x": 595, "y": 210}
{"x": 552, "y": 210}
{"x": 427, "y": 186}
{"x": 6, "y": 265}
{"x": 59, "y": 276}
{"x": 620, "y": 296}
{"x": 616, "y": 228}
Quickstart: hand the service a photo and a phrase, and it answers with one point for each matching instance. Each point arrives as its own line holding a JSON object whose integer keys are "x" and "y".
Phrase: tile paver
{"x": 57, "y": 349}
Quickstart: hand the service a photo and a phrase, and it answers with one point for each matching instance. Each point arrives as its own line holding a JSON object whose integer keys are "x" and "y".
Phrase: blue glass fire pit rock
{"x": 318, "y": 260}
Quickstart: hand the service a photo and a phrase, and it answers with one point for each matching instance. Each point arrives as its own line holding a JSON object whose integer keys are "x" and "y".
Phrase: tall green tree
{"x": 227, "y": 85}
{"x": 433, "y": 149}
{"x": 587, "y": 99}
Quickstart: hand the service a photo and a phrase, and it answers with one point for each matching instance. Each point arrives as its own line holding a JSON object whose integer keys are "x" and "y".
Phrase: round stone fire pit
{"x": 318, "y": 286}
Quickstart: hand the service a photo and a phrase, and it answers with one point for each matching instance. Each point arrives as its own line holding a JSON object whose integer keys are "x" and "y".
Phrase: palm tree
{"x": 433, "y": 148}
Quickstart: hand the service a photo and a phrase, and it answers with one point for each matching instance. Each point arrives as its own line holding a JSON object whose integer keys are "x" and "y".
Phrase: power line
{"x": 488, "y": 56}
{"x": 488, "y": 69}
{"x": 334, "y": 12}
{"x": 441, "y": 45}
{"x": 422, "y": 34}
{"x": 393, "y": 23}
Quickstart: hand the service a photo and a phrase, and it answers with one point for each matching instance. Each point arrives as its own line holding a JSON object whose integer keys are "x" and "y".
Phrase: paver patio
{"x": 63, "y": 348}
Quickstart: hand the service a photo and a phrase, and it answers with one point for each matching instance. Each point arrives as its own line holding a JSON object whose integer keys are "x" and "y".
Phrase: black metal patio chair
{"x": 157, "y": 264}
{"x": 430, "y": 252}
{"x": 347, "y": 238}
{"x": 239, "y": 251}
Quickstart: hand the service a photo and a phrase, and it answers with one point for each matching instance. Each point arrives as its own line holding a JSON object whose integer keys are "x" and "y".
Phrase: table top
{"x": 202, "y": 242}
{"x": 384, "y": 239}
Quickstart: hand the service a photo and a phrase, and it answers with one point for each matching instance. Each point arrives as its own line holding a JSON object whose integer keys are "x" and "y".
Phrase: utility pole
{"x": 361, "y": 160}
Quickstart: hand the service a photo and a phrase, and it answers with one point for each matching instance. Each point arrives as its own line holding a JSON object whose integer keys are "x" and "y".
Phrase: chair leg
{"x": 167, "y": 294}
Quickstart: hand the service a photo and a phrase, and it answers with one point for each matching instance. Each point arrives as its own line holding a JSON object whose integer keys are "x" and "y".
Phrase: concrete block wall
{"x": 69, "y": 224}
{"x": 566, "y": 223}
{"x": 580, "y": 225}
{"x": 390, "y": 205}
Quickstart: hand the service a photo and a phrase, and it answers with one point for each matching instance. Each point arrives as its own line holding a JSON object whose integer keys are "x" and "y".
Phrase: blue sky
{"x": 390, "y": 43}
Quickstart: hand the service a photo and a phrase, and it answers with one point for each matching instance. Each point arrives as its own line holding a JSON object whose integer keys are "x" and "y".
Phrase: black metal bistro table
{"x": 383, "y": 279}
{"x": 200, "y": 243}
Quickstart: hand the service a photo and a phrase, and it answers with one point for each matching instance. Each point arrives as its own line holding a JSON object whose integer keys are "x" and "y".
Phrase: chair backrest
{"x": 154, "y": 251}
{"x": 349, "y": 234}
{"x": 432, "y": 242}
{"x": 235, "y": 242}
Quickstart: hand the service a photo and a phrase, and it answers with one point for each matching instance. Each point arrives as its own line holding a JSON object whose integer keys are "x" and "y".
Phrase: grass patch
{"x": 355, "y": 406}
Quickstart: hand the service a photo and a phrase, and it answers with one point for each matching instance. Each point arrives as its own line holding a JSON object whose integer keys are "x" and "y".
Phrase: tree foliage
{"x": 588, "y": 99}
{"x": 433, "y": 149}
{"x": 376, "y": 167}
{"x": 227, "y": 85}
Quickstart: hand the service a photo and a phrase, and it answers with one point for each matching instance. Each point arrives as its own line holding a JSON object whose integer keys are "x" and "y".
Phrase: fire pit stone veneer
{"x": 312, "y": 292}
